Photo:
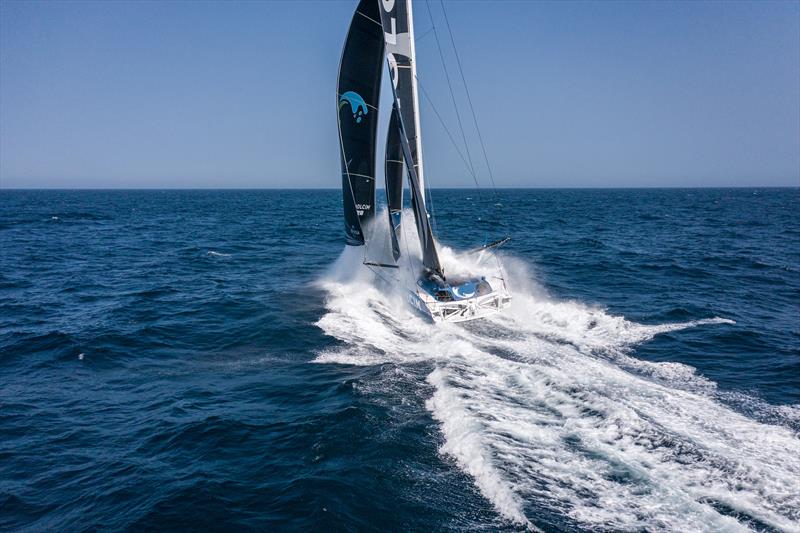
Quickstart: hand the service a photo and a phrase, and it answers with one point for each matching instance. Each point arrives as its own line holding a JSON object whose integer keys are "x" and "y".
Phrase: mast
{"x": 357, "y": 96}
{"x": 415, "y": 99}
{"x": 398, "y": 34}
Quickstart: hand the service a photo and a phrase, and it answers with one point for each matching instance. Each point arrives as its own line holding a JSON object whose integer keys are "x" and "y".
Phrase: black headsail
{"x": 430, "y": 257}
{"x": 398, "y": 33}
{"x": 394, "y": 181}
{"x": 357, "y": 95}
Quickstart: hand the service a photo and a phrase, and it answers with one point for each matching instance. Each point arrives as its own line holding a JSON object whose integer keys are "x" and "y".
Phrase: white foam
{"x": 545, "y": 407}
{"x": 465, "y": 443}
{"x": 212, "y": 253}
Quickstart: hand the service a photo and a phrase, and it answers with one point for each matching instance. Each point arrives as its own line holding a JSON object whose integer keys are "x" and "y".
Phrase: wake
{"x": 545, "y": 408}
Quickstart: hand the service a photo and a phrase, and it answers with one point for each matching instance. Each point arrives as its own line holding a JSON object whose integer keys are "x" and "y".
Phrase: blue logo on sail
{"x": 357, "y": 104}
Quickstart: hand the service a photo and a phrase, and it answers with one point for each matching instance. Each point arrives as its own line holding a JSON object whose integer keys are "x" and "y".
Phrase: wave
{"x": 545, "y": 407}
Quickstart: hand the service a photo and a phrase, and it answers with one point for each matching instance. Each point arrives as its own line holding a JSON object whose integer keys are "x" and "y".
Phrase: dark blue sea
{"x": 215, "y": 360}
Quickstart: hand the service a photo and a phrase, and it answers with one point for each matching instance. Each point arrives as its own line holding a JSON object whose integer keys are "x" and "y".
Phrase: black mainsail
{"x": 398, "y": 34}
{"x": 357, "y": 96}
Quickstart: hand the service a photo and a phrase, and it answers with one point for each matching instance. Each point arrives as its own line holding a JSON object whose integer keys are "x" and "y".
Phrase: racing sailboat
{"x": 383, "y": 30}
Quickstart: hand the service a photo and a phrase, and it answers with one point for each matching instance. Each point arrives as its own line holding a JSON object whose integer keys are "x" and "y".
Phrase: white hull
{"x": 461, "y": 310}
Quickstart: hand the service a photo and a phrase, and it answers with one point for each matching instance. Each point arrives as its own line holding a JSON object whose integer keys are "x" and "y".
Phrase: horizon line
{"x": 640, "y": 187}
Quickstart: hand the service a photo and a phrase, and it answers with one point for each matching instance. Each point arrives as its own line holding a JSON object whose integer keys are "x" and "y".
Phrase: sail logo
{"x": 357, "y": 104}
{"x": 398, "y": 45}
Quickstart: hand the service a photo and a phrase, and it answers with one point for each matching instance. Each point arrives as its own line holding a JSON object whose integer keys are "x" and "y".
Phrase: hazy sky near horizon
{"x": 229, "y": 94}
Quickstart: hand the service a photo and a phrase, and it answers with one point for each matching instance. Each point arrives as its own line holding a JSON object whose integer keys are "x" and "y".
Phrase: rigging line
{"x": 469, "y": 98}
{"x": 449, "y": 135}
{"x": 428, "y": 181}
{"x": 430, "y": 202}
{"x": 418, "y": 38}
{"x": 450, "y": 86}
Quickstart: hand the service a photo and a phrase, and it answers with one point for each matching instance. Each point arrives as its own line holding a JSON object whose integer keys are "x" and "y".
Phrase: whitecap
{"x": 546, "y": 407}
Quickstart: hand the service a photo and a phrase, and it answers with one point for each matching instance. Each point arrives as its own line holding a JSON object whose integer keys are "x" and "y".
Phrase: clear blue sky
{"x": 225, "y": 94}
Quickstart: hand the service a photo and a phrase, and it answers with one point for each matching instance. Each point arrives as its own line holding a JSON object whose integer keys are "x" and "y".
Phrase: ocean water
{"x": 215, "y": 360}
